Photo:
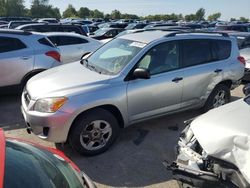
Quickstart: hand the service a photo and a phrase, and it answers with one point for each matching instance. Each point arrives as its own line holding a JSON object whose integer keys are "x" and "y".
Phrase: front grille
{"x": 27, "y": 97}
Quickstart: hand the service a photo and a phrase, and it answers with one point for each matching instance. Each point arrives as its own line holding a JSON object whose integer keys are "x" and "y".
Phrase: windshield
{"x": 29, "y": 167}
{"x": 100, "y": 32}
{"x": 114, "y": 56}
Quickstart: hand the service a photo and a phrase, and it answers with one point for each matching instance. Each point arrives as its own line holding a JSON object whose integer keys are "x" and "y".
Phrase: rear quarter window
{"x": 45, "y": 42}
{"x": 221, "y": 49}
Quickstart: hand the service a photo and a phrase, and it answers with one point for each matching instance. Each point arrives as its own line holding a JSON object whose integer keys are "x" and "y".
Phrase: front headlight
{"x": 49, "y": 105}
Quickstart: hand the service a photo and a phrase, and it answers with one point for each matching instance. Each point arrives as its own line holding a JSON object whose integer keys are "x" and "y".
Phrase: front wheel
{"x": 219, "y": 96}
{"x": 93, "y": 132}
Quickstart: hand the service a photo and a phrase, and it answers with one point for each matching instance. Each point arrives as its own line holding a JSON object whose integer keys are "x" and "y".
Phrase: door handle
{"x": 25, "y": 57}
{"x": 177, "y": 79}
{"x": 218, "y": 70}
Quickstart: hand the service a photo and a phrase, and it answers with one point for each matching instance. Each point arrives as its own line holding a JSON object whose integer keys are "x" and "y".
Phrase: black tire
{"x": 210, "y": 101}
{"x": 25, "y": 80}
{"x": 76, "y": 140}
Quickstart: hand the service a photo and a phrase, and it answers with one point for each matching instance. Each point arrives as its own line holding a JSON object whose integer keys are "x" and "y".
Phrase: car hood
{"x": 224, "y": 133}
{"x": 64, "y": 80}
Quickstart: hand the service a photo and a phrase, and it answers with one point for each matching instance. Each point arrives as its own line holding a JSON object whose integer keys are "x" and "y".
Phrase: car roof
{"x": 15, "y": 32}
{"x": 145, "y": 36}
{"x": 61, "y": 34}
{"x": 149, "y": 36}
{"x": 2, "y": 156}
{"x": 240, "y": 34}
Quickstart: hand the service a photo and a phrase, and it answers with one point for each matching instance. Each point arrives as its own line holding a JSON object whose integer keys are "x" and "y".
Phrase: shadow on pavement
{"x": 10, "y": 113}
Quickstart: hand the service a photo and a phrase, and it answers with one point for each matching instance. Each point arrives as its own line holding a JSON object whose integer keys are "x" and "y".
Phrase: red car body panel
{"x": 2, "y": 157}
{"x": 52, "y": 150}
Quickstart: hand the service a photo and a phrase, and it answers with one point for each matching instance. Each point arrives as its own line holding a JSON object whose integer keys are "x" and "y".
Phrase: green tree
{"x": 97, "y": 14}
{"x": 190, "y": 17}
{"x": 2, "y": 8}
{"x": 14, "y": 8}
{"x": 214, "y": 17}
{"x": 200, "y": 14}
{"x": 243, "y": 19}
{"x": 232, "y": 19}
{"x": 83, "y": 12}
{"x": 70, "y": 12}
{"x": 115, "y": 14}
{"x": 42, "y": 9}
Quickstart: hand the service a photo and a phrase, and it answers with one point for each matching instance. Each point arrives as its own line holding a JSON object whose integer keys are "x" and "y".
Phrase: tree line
{"x": 42, "y": 8}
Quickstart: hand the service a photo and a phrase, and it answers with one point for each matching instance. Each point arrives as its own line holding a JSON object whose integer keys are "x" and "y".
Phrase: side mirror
{"x": 86, "y": 55}
{"x": 246, "y": 89}
{"x": 141, "y": 73}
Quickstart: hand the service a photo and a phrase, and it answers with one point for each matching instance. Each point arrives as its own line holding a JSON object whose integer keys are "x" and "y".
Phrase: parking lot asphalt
{"x": 134, "y": 160}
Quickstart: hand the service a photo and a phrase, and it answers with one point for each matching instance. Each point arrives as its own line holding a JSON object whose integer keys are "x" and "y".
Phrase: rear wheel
{"x": 219, "y": 96}
{"x": 93, "y": 132}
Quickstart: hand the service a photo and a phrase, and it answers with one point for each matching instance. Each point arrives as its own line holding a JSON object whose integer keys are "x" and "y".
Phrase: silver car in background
{"x": 23, "y": 55}
{"x": 130, "y": 79}
{"x": 73, "y": 46}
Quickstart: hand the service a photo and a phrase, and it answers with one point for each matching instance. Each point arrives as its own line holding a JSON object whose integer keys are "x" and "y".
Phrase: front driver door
{"x": 161, "y": 93}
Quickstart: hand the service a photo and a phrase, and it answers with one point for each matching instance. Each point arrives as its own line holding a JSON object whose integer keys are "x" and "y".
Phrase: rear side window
{"x": 195, "y": 52}
{"x": 72, "y": 29}
{"x": 8, "y": 44}
{"x": 66, "y": 40}
{"x": 45, "y": 42}
{"x": 221, "y": 49}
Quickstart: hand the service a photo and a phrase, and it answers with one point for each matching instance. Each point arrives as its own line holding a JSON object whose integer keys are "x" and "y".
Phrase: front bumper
{"x": 52, "y": 127}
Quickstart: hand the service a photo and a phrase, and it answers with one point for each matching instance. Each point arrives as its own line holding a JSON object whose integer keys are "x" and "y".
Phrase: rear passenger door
{"x": 204, "y": 62}
{"x": 71, "y": 48}
{"x": 16, "y": 60}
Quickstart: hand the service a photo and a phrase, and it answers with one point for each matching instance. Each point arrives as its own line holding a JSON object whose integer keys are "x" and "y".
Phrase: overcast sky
{"x": 228, "y": 8}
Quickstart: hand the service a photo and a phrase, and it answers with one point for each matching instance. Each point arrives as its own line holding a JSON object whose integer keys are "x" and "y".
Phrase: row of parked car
{"x": 134, "y": 77}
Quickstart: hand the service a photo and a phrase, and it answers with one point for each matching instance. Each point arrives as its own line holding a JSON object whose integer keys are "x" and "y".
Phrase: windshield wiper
{"x": 90, "y": 67}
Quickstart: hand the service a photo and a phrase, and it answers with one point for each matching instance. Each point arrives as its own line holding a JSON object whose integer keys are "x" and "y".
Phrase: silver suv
{"x": 132, "y": 78}
{"x": 22, "y": 55}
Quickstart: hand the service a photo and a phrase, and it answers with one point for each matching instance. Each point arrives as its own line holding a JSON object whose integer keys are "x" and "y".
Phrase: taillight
{"x": 54, "y": 54}
{"x": 242, "y": 60}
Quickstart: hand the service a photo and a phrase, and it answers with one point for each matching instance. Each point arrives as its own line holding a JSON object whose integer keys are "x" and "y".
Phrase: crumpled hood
{"x": 224, "y": 133}
{"x": 64, "y": 80}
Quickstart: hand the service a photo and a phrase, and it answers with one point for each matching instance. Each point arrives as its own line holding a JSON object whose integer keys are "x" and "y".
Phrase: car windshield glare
{"x": 114, "y": 56}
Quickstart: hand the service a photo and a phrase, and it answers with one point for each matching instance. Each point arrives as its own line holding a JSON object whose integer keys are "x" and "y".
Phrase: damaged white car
{"x": 214, "y": 149}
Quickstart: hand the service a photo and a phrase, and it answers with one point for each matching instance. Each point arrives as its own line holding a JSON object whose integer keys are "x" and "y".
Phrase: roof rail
{"x": 15, "y": 32}
{"x": 198, "y": 32}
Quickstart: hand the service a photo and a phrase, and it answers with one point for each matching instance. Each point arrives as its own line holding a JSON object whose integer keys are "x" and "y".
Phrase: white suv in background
{"x": 22, "y": 55}
{"x": 72, "y": 45}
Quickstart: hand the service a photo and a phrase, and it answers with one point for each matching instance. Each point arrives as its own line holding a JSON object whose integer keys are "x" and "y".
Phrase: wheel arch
{"x": 111, "y": 108}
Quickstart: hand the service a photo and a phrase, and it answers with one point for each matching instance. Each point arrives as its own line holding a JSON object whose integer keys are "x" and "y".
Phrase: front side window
{"x": 114, "y": 56}
{"x": 196, "y": 52}
{"x": 8, "y": 44}
{"x": 161, "y": 58}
